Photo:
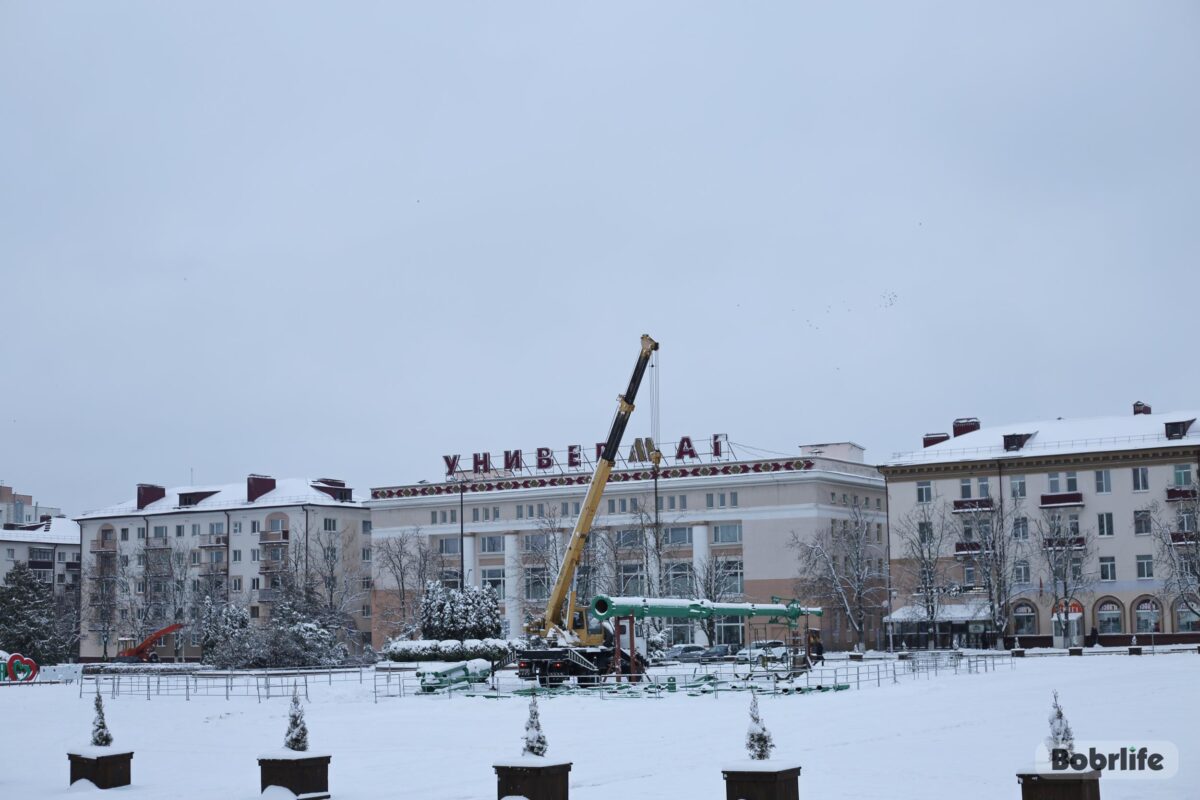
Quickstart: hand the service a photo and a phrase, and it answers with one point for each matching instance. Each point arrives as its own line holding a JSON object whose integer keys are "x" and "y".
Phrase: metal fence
{"x": 260, "y": 684}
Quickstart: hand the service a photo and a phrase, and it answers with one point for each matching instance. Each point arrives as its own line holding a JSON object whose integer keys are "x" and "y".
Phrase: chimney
{"x": 931, "y": 439}
{"x": 965, "y": 425}
{"x": 148, "y": 493}
{"x": 257, "y": 486}
{"x": 1140, "y": 408}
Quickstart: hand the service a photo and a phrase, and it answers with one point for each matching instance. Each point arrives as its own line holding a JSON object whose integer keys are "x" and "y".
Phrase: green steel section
{"x": 605, "y": 607}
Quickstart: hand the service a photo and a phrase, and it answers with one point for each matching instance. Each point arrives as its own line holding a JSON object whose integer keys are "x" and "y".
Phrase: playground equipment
{"x": 465, "y": 672}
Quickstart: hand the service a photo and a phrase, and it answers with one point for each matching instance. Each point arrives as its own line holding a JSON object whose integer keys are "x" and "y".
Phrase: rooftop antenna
{"x": 191, "y": 476}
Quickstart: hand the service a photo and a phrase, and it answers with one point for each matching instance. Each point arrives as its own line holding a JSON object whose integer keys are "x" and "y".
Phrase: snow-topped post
{"x": 1064, "y": 781}
{"x": 98, "y": 762}
{"x": 532, "y": 775}
{"x": 758, "y": 778}
{"x": 294, "y": 767}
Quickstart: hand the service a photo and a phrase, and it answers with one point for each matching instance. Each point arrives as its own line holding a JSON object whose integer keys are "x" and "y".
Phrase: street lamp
{"x": 462, "y": 535}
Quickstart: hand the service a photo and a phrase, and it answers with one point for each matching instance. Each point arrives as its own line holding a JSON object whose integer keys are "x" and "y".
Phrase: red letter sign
{"x": 685, "y": 449}
{"x": 451, "y": 464}
{"x": 545, "y": 458}
{"x": 481, "y": 462}
{"x": 574, "y": 459}
{"x": 512, "y": 459}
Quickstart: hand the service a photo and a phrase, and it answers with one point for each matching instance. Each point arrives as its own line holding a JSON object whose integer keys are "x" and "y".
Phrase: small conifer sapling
{"x": 297, "y": 732}
{"x": 758, "y": 738}
{"x": 101, "y": 737}
{"x": 1061, "y": 737}
{"x": 535, "y": 740}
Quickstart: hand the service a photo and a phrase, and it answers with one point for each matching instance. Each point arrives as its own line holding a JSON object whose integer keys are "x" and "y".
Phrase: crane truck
{"x": 574, "y": 648}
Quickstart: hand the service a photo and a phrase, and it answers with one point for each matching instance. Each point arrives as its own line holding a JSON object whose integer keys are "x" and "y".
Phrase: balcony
{"x": 968, "y": 548}
{"x": 978, "y": 504}
{"x": 1181, "y": 493}
{"x": 214, "y": 540}
{"x": 104, "y": 546}
{"x": 268, "y": 595}
{"x": 272, "y": 536}
{"x": 1063, "y": 543}
{"x": 214, "y": 568}
{"x": 41, "y": 564}
{"x": 158, "y": 543}
{"x": 272, "y": 565}
{"x": 1062, "y": 500}
{"x": 1185, "y": 538}
{"x": 73, "y": 566}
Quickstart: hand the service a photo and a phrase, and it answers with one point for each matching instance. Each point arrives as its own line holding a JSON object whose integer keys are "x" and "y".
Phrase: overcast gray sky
{"x": 345, "y": 239}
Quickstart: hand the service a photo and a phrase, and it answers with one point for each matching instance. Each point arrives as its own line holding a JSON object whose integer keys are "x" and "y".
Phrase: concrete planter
{"x": 1018, "y": 653}
{"x": 751, "y": 782}
{"x": 532, "y": 777}
{"x": 1135, "y": 651}
{"x": 904, "y": 656}
{"x": 1074, "y": 651}
{"x": 1079, "y": 786}
{"x": 856, "y": 656}
{"x": 305, "y": 776}
{"x": 105, "y": 770}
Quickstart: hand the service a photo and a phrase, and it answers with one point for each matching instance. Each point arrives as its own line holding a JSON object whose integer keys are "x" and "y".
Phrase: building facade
{"x": 49, "y": 547}
{"x": 713, "y": 525}
{"x": 1082, "y": 519}
{"x": 20, "y": 509}
{"x": 152, "y": 560}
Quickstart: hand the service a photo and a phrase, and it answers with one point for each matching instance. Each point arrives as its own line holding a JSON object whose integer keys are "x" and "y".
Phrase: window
{"x": 141, "y": 532}
{"x": 733, "y": 500}
{"x": 1103, "y": 481}
{"x": 677, "y": 536}
{"x": 494, "y": 577}
{"x": 925, "y": 531}
{"x": 1108, "y": 618}
{"x": 216, "y": 528}
{"x": 1183, "y": 476}
{"x": 443, "y": 517}
{"x": 474, "y": 515}
{"x": 964, "y": 488}
{"x": 140, "y": 587}
{"x": 1072, "y": 481}
{"x": 576, "y": 511}
{"x": 1054, "y": 483}
{"x": 450, "y": 578}
{"x": 612, "y": 506}
{"x": 1024, "y": 620}
{"x": 1186, "y": 620}
{"x": 856, "y": 500}
{"x": 537, "y": 587}
{"x": 255, "y": 584}
{"x": 365, "y": 584}
{"x": 254, "y": 554}
{"x": 454, "y": 515}
{"x": 1021, "y": 572}
{"x": 41, "y": 554}
{"x": 564, "y": 510}
{"x": 968, "y": 574}
{"x": 730, "y": 533}
{"x": 985, "y": 489}
{"x": 235, "y": 583}
{"x": 541, "y": 509}
{"x": 1141, "y": 522}
{"x": 629, "y": 538}
{"x": 366, "y": 554}
{"x": 448, "y": 547}
{"x": 141, "y": 559}
{"x": 1187, "y": 520}
{"x": 623, "y": 504}
{"x": 1108, "y": 568}
{"x": 732, "y": 576}
{"x": 366, "y": 610}
{"x": 124, "y": 534}
{"x": 679, "y": 579}
{"x": 491, "y": 544}
{"x": 12, "y": 552}
{"x": 195, "y": 556}
{"x": 496, "y": 511}
{"x": 237, "y": 555}
{"x": 1076, "y": 569}
{"x": 1020, "y": 528}
{"x": 535, "y": 542}
{"x": 1141, "y": 479}
{"x": 237, "y": 527}
{"x": 683, "y": 502}
{"x": 254, "y": 526}
{"x": 1104, "y": 524}
{"x": 521, "y": 510}
{"x": 1147, "y": 616}
{"x": 1017, "y": 486}
{"x": 708, "y": 500}
{"x": 968, "y": 531}
{"x": 633, "y": 506}
{"x": 178, "y": 531}
{"x": 1073, "y": 524}
{"x": 62, "y": 557}
{"x": 253, "y": 615}
{"x": 160, "y": 531}
{"x": 1145, "y": 567}
{"x": 632, "y": 580}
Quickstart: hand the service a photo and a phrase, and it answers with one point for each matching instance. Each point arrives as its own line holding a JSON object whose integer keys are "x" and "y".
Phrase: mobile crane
{"x": 576, "y": 649}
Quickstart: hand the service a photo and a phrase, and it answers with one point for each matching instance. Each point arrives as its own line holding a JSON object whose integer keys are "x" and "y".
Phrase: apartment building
{"x": 50, "y": 547}
{"x": 1099, "y": 492}
{"x": 713, "y": 522}
{"x": 151, "y": 560}
{"x": 20, "y": 509}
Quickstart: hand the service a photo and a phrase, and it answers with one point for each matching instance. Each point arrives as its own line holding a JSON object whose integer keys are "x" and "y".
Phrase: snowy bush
{"x": 297, "y": 732}
{"x": 1061, "y": 737}
{"x": 758, "y": 738}
{"x": 535, "y": 740}
{"x": 470, "y": 613}
{"x": 490, "y": 650}
{"x": 101, "y": 737}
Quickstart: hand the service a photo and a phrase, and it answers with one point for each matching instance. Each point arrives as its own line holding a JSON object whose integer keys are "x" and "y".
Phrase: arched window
{"x": 1108, "y": 617}
{"x": 1148, "y": 614}
{"x": 1024, "y": 620}
{"x": 1186, "y": 620}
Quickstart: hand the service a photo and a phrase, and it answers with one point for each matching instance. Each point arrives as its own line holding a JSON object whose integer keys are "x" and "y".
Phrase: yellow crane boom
{"x": 553, "y": 619}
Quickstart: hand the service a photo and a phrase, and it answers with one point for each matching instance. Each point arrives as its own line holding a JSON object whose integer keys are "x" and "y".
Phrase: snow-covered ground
{"x": 952, "y": 736}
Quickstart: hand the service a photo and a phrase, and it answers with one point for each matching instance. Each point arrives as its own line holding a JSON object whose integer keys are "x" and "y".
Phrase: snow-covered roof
{"x": 957, "y": 612}
{"x": 1059, "y": 437}
{"x": 57, "y": 530}
{"x": 287, "y": 492}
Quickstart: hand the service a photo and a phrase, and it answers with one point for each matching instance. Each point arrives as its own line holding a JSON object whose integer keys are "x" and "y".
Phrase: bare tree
{"x": 339, "y": 577}
{"x": 714, "y": 578}
{"x": 990, "y": 538}
{"x": 103, "y": 598}
{"x": 1177, "y": 539}
{"x": 843, "y": 566}
{"x": 925, "y": 536}
{"x": 397, "y": 558}
{"x": 1064, "y": 553}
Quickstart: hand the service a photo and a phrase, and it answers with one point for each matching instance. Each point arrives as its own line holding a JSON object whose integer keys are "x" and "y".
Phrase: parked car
{"x": 773, "y": 649}
{"x": 718, "y": 652}
{"x": 690, "y": 652}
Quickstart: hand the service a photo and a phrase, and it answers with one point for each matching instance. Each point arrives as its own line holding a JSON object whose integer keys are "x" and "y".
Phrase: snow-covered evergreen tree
{"x": 27, "y": 624}
{"x": 535, "y": 740}
{"x": 470, "y": 613}
{"x": 1061, "y": 736}
{"x": 101, "y": 737}
{"x": 297, "y": 732}
{"x": 758, "y": 738}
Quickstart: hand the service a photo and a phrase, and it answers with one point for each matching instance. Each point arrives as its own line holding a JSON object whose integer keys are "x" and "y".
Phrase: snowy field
{"x": 952, "y": 736}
